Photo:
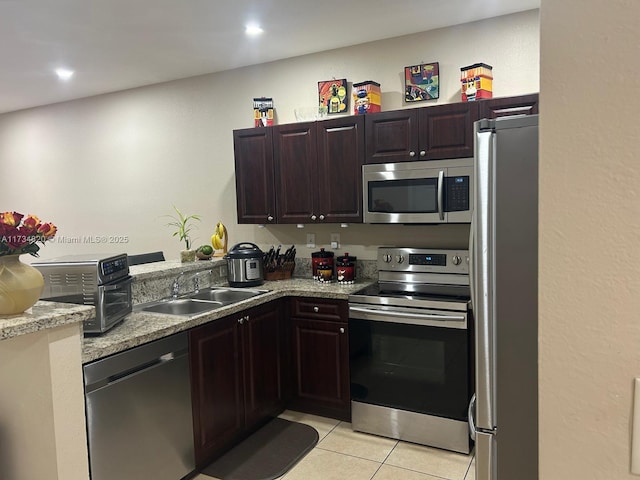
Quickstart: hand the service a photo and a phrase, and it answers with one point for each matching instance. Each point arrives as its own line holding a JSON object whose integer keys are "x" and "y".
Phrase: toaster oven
{"x": 102, "y": 281}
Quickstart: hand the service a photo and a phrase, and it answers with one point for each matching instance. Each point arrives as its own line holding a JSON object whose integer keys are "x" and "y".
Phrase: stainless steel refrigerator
{"x": 503, "y": 416}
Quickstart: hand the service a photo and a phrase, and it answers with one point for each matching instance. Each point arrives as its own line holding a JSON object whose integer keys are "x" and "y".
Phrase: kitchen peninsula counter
{"x": 42, "y": 316}
{"x": 142, "y": 327}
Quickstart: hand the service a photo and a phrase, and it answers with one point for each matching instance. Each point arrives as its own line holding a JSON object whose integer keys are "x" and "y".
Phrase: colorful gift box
{"x": 366, "y": 97}
{"x": 477, "y": 82}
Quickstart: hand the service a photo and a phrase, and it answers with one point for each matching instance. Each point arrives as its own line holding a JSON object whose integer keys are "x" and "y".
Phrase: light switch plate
{"x": 311, "y": 240}
{"x": 335, "y": 240}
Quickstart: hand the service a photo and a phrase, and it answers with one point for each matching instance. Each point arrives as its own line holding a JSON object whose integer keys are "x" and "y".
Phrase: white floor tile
{"x": 343, "y": 439}
{"x": 432, "y": 461}
{"x": 388, "y": 472}
{"x": 325, "y": 465}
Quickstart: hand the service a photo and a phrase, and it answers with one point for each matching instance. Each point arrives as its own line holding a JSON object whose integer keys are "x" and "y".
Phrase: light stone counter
{"x": 43, "y": 316}
{"x": 142, "y": 327}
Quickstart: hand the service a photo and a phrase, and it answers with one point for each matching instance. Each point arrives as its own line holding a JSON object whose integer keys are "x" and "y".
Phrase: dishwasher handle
{"x": 135, "y": 360}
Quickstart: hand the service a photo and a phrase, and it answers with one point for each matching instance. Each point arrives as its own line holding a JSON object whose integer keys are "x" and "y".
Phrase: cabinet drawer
{"x": 320, "y": 309}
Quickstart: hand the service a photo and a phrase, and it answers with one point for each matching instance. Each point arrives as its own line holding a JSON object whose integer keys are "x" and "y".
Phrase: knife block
{"x": 283, "y": 272}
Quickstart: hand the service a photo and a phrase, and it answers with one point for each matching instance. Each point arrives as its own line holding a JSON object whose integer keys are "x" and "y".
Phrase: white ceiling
{"x": 118, "y": 44}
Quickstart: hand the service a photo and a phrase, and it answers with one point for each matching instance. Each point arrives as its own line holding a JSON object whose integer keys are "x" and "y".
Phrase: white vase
{"x": 20, "y": 285}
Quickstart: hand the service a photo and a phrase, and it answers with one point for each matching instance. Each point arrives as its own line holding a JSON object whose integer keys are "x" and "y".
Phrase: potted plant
{"x": 183, "y": 228}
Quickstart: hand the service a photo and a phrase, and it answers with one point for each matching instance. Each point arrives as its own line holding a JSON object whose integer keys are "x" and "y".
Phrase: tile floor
{"x": 343, "y": 454}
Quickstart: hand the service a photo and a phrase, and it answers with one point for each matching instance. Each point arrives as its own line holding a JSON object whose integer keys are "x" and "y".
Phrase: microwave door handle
{"x": 441, "y": 194}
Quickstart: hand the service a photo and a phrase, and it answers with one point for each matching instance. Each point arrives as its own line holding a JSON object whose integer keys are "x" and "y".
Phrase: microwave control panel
{"x": 457, "y": 194}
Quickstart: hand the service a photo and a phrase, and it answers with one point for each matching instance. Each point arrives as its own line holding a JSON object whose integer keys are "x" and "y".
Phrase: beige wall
{"x": 42, "y": 421}
{"x": 589, "y": 237}
{"x": 112, "y": 165}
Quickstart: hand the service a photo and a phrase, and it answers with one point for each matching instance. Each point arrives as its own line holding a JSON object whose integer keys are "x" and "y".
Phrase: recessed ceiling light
{"x": 253, "y": 29}
{"x": 64, "y": 74}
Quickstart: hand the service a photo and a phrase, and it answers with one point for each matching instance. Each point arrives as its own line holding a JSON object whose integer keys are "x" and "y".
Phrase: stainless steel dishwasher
{"x": 139, "y": 421}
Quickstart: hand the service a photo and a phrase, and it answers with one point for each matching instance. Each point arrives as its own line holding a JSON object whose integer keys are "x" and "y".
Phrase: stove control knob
{"x": 456, "y": 260}
{"x": 387, "y": 258}
{"x": 399, "y": 258}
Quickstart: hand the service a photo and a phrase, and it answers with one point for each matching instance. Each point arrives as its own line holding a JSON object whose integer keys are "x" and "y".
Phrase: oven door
{"x": 112, "y": 302}
{"x": 410, "y": 359}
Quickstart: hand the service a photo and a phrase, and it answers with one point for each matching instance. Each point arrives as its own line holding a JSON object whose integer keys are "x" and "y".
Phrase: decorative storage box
{"x": 366, "y": 97}
{"x": 263, "y": 112}
{"x": 477, "y": 82}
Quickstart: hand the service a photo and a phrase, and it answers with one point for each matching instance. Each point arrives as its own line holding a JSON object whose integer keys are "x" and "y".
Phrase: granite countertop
{"x": 142, "y": 327}
{"x": 41, "y": 316}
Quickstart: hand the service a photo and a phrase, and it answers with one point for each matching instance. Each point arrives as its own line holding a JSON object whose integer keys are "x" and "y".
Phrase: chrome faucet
{"x": 175, "y": 286}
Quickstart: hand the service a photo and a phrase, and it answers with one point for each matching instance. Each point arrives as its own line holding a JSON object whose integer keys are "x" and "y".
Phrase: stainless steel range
{"x": 411, "y": 348}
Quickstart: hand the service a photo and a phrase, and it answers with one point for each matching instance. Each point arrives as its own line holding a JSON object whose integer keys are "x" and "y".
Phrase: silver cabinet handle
{"x": 412, "y": 153}
{"x": 246, "y": 318}
{"x": 321, "y": 217}
{"x": 270, "y": 218}
{"x": 316, "y": 309}
{"x": 341, "y": 329}
{"x": 422, "y": 153}
{"x": 241, "y": 320}
{"x": 313, "y": 217}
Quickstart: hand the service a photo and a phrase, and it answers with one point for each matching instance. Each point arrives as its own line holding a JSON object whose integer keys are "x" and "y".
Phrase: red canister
{"x": 320, "y": 257}
{"x": 346, "y": 269}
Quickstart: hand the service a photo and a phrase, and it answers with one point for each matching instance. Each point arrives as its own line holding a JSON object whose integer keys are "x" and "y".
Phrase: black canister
{"x": 346, "y": 269}
{"x": 320, "y": 257}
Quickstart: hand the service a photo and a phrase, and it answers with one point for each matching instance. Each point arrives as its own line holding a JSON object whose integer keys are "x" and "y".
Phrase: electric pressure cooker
{"x": 244, "y": 265}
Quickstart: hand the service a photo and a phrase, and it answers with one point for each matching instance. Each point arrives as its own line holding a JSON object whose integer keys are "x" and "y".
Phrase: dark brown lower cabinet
{"x": 237, "y": 373}
{"x": 320, "y": 357}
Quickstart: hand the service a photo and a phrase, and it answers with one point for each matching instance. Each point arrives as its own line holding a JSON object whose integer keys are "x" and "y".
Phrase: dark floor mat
{"x": 267, "y": 454}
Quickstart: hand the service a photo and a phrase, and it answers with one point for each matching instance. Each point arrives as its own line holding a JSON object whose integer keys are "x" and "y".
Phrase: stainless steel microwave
{"x": 439, "y": 191}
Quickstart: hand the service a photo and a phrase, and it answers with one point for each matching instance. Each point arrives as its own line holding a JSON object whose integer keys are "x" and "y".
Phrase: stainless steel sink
{"x": 203, "y": 301}
{"x": 226, "y": 295}
{"x": 182, "y": 306}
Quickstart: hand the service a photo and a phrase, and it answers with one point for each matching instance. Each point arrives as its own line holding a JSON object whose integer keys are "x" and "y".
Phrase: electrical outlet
{"x": 311, "y": 240}
{"x": 335, "y": 240}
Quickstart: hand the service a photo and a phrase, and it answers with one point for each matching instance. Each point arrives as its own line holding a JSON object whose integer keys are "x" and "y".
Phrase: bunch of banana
{"x": 218, "y": 236}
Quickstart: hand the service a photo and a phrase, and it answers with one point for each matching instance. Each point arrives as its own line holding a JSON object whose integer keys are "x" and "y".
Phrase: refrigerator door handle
{"x": 441, "y": 194}
{"x": 483, "y": 277}
{"x": 472, "y": 420}
{"x": 472, "y": 268}
{"x": 485, "y": 456}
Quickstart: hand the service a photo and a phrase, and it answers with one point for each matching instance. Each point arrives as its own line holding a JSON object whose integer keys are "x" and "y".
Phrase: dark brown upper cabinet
{"x": 503, "y": 107}
{"x": 301, "y": 173}
{"x": 253, "y": 152}
{"x": 429, "y": 133}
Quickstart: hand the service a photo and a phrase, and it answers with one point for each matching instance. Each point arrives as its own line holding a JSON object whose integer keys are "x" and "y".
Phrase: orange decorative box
{"x": 477, "y": 82}
{"x": 366, "y": 97}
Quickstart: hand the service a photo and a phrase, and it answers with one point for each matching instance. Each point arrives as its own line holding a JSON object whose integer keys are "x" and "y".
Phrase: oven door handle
{"x": 407, "y": 317}
{"x": 116, "y": 286}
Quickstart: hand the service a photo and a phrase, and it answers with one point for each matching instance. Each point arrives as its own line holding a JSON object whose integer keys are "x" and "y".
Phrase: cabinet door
{"x": 503, "y": 107}
{"x": 216, "y": 385}
{"x": 253, "y": 150}
{"x": 262, "y": 339}
{"x": 321, "y": 367}
{"x": 446, "y": 131}
{"x": 340, "y": 159}
{"x": 391, "y": 136}
{"x": 296, "y": 171}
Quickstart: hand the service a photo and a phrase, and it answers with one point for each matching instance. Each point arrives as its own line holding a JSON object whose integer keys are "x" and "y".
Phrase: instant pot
{"x": 244, "y": 265}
